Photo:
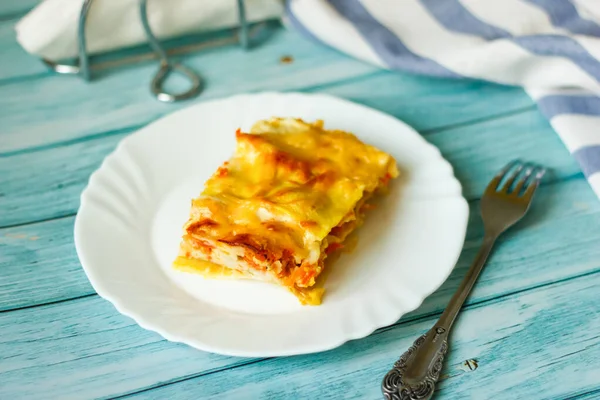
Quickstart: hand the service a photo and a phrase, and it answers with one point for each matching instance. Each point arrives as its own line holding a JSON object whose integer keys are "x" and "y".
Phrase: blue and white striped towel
{"x": 550, "y": 47}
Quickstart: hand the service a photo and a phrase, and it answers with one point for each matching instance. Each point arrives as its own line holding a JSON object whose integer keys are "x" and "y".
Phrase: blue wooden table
{"x": 530, "y": 330}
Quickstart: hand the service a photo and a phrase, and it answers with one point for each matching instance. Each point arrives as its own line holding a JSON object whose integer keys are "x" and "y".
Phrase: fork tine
{"x": 535, "y": 183}
{"x": 512, "y": 177}
{"x": 493, "y": 185}
{"x": 524, "y": 179}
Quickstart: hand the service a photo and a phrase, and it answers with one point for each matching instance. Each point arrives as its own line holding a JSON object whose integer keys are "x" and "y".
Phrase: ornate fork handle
{"x": 395, "y": 385}
{"x": 415, "y": 374}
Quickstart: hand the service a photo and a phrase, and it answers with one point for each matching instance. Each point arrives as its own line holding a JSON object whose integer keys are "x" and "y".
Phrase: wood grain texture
{"x": 531, "y": 322}
{"x": 84, "y": 349}
{"x": 79, "y": 109}
{"x": 11, "y": 9}
{"x": 590, "y": 395}
{"x": 488, "y": 143}
{"x": 15, "y": 62}
{"x": 38, "y": 264}
{"x": 77, "y": 341}
{"x": 82, "y": 109}
{"x": 66, "y": 170}
{"x": 121, "y": 97}
{"x": 541, "y": 344}
{"x": 32, "y": 253}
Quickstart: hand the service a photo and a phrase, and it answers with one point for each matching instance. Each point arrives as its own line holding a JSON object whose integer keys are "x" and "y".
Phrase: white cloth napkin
{"x": 550, "y": 47}
{"x": 50, "y": 29}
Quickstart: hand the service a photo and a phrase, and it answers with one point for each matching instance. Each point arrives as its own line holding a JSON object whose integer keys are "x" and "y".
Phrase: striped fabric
{"x": 550, "y": 47}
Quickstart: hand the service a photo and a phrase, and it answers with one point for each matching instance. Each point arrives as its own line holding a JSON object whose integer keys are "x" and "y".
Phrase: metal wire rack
{"x": 83, "y": 67}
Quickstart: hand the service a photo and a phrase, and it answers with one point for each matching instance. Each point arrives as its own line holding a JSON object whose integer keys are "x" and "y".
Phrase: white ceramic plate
{"x": 129, "y": 225}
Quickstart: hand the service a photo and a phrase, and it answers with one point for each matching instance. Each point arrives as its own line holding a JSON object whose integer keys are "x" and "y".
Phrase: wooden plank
{"x": 79, "y": 109}
{"x": 120, "y": 98}
{"x": 478, "y": 151}
{"x": 54, "y": 178}
{"x": 11, "y": 9}
{"x": 16, "y": 62}
{"x": 539, "y": 345}
{"x": 429, "y": 104}
{"x": 92, "y": 345}
{"x": 590, "y": 395}
{"x": 487, "y": 145}
{"x": 85, "y": 349}
{"x": 58, "y": 108}
{"x": 66, "y": 169}
{"x": 38, "y": 264}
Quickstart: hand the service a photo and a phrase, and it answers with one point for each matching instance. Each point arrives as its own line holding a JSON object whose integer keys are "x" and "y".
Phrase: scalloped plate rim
{"x": 172, "y": 334}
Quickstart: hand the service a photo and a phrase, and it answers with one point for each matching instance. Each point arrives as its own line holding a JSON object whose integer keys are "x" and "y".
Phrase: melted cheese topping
{"x": 288, "y": 184}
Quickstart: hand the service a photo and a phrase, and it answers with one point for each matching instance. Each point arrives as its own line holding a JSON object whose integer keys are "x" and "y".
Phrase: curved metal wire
{"x": 166, "y": 67}
{"x": 243, "y": 24}
{"x": 82, "y": 65}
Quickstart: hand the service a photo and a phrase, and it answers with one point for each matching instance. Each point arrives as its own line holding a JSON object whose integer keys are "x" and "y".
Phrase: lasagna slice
{"x": 289, "y": 196}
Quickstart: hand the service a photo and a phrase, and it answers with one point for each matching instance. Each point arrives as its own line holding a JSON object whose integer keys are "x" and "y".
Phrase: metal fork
{"x": 417, "y": 371}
